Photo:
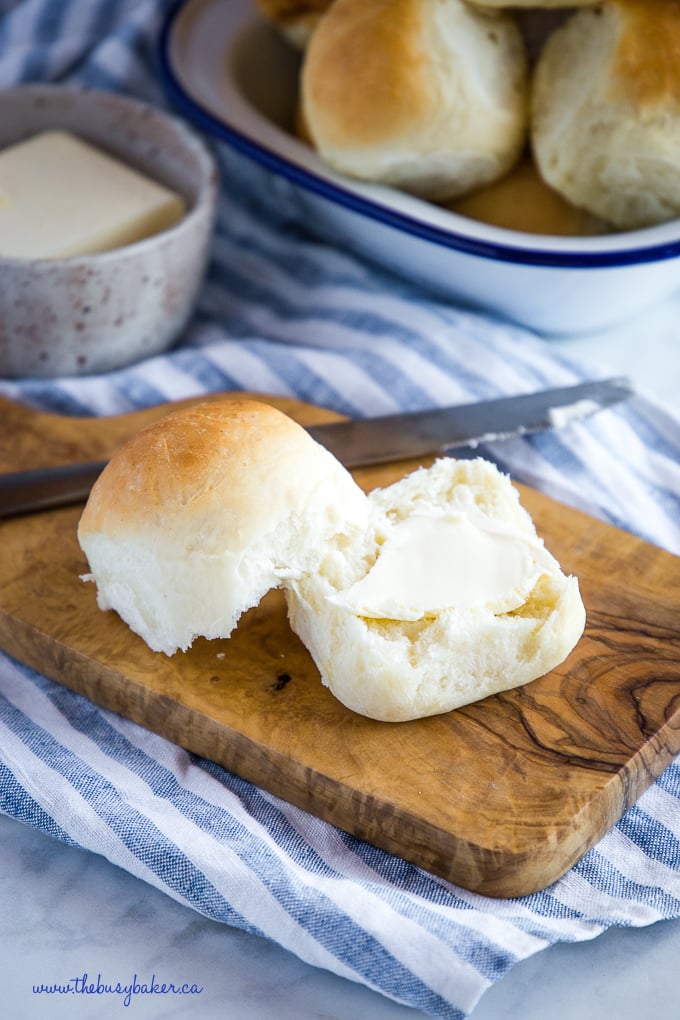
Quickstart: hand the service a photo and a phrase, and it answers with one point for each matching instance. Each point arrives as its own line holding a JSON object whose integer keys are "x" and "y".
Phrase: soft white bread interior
{"x": 605, "y": 121}
{"x": 429, "y": 96}
{"x": 203, "y": 512}
{"x": 295, "y": 19}
{"x": 449, "y": 597}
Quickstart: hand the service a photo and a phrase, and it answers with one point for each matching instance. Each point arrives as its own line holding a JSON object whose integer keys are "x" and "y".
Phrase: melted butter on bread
{"x": 429, "y": 564}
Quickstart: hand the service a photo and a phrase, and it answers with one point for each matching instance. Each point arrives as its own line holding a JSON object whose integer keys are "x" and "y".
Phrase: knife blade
{"x": 364, "y": 441}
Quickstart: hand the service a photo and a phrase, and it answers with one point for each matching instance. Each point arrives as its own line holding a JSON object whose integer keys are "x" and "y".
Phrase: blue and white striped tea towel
{"x": 282, "y": 313}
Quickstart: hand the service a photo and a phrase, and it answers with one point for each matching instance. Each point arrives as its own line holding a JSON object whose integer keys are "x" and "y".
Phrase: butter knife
{"x": 365, "y": 441}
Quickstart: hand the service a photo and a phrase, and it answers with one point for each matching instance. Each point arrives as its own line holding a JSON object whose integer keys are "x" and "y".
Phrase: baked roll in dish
{"x": 295, "y": 19}
{"x": 605, "y": 121}
{"x": 428, "y": 96}
{"x": 450, "y": 597}
{"x": 523, "y": 201}
{"x": 203, "y": 512}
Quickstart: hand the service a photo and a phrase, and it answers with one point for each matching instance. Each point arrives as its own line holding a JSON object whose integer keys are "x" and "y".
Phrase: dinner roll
{"x": 523, "y": 201}
{"x": 449, "y": 597}
{"x": 429, "y": 96}
{"x": 200, "y": 514}
{"x": 606, "y": 111}
{"x": 295, "y": 19}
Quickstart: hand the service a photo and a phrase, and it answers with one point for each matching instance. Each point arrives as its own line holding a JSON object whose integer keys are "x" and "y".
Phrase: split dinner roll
{"x": 450, "y": 597}
{"x": 429, "y": 96}
{"x": 605, "y": 121}
{"x": 412, "y": 601}
{"x": 203, "y": 512}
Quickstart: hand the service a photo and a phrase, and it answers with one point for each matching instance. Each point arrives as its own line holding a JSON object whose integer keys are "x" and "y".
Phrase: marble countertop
{"x": 65, "y": 913}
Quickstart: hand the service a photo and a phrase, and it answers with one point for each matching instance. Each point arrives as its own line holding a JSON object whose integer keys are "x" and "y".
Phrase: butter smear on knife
{"x": 561, "y": 416}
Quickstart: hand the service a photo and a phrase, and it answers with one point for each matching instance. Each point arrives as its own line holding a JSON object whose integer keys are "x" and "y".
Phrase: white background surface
{"x": 64, "y": 912}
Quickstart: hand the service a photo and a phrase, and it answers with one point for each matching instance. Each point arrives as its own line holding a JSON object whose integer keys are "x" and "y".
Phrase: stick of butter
{"x": 60, "y": 196}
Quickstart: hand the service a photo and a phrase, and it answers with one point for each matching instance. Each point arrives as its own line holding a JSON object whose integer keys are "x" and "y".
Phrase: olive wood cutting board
{"x": 500, "y": 797}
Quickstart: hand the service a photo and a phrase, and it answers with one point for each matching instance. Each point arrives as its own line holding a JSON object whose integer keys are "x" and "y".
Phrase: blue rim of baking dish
{"x": 356, "y": 203}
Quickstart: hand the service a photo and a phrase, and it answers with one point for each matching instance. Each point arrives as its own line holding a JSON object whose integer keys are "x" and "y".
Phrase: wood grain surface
{"x": 500, "y": 797}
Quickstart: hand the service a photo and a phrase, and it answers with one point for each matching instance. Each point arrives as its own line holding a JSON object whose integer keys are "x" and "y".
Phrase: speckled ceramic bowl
{"x": 95, "y": 313}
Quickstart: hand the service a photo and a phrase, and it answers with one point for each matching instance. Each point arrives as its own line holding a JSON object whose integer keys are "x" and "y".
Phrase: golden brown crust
{"x": 361, "y": 51}
{"x": 180, "y": 460}
{"x": 646, "y": 66}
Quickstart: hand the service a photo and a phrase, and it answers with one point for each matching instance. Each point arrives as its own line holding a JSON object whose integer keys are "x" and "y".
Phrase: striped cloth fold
{"x": 282, "y": 312}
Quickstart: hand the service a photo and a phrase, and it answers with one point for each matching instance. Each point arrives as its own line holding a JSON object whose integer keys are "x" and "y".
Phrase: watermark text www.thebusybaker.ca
{"x": 126, "y": 991}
